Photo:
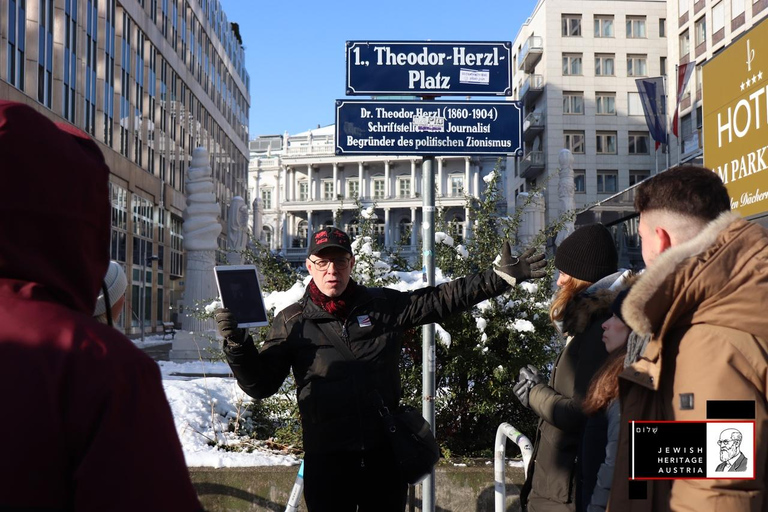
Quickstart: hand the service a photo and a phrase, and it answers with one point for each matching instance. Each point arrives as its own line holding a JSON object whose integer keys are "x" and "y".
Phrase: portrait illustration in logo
{"x": 731, "y": 457}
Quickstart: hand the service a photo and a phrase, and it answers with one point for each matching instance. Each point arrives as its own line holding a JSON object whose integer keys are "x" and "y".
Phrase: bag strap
{"x": 335, "y": 338}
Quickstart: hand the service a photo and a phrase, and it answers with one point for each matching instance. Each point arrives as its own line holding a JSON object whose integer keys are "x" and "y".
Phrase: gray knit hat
{"x": 116, "y": 283}
{"x": 588, "y": 254}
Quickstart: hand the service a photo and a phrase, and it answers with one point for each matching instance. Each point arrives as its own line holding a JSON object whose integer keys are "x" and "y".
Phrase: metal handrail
{"x": 506, "y": 430}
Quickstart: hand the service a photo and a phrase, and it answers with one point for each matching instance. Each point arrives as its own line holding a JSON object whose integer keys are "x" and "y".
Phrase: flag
{"x": 652, "y": 97}
{"x": 684, "y": 72}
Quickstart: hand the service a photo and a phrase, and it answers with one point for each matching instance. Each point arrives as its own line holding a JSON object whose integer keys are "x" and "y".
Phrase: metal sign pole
{"x": 428, "y": 331}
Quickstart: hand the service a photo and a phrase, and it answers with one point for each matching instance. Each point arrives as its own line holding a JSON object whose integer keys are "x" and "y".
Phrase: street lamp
{"x": 142, "y": 298}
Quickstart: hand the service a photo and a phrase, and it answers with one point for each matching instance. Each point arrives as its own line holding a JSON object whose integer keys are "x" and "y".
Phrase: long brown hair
{"x": 569, "y": 290}
{"x": 604, "y": 386}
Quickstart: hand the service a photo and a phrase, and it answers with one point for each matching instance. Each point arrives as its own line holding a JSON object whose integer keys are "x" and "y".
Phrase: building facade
{"x": 149, "y": 80}
{"x": 298, "y": 185}
{"x": 574, "y": 69}
{"x": 699, "y": 31}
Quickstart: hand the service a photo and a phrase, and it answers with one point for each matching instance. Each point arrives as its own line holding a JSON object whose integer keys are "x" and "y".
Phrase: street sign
{"x": 428, "y": 127}
{"x": 435, "y": 68}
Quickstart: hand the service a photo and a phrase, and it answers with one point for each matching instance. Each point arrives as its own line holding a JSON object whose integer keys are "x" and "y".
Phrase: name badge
{"x": 364, "y": 321}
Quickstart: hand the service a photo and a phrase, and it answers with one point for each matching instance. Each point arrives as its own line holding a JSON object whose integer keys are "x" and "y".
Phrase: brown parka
{"x": 704, "y": 303}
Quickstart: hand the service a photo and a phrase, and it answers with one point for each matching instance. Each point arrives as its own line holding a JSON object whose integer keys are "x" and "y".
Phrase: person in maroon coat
{"x": 86, "y": 423}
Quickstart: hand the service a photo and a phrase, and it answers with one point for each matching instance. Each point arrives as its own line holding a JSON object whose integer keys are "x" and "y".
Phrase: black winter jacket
{"x": 334, "y": 394}
{"x": 553, "y": 472}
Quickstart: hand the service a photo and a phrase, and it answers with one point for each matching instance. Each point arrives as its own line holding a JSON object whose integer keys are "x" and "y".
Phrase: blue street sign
{"x": 428, "y": 127}
{"x": 435, "y": 68}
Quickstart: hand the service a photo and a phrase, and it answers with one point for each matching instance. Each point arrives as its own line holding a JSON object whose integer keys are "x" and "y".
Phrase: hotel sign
{"x": 429, "y": 68}
{"x": 735, "y": 111}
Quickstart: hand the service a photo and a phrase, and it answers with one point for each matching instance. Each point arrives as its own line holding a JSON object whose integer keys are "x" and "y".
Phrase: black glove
{"x": 227, "y": 327}
{"x": 522, "y": 391}
{"x": 516, "y": 270}
{"x": 531, "y": 374}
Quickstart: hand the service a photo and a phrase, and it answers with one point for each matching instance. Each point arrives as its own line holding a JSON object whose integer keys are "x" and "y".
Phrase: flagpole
{"x": 677, "y": 106}
{"x": 666, "y": 120}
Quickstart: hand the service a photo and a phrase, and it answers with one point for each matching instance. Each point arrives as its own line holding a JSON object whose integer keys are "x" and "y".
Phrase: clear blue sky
{"x": 294, "y": 49}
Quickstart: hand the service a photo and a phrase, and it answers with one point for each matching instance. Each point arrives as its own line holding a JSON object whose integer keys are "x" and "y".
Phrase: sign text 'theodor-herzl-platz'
{"x": 437, "y": 68}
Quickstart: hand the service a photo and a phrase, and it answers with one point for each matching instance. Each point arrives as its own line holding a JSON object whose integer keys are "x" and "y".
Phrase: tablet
{"x": 240, "y": 293}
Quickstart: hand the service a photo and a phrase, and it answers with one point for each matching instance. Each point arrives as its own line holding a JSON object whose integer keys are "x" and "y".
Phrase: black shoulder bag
{"x": 409, "y": 434}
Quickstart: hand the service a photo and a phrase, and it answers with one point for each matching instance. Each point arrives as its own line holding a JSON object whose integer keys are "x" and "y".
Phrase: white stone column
{"x": 286, "y": 232}
{"x": 476, "y": 183}
{"x": 360, "y": 182}
{"x": 310, "y": 226}
{"x": 387, "y": 187}
{"x": 413, "y": 178}
{"x": 282, "y": 176}
{"x": 335, "y": 180}
{"x": 439, "y": 177}
{"x": 311, "y": 183}
{"x": 467, "y": 175}
{"x": 414, "y": 230}
{"x": 467, "y": 225}
{"x": 387, "y": 228}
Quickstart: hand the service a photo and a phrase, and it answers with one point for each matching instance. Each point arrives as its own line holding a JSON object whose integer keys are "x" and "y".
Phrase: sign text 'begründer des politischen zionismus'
{"x": 438, "y": 68}
{"x": 427, "y": 127}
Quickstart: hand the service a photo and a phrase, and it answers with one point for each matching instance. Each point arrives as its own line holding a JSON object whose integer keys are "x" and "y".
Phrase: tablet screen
{"x": 241, "y": 294}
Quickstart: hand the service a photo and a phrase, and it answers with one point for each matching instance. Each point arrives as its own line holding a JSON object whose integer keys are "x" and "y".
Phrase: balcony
{"x": 531, "y": 89}
{"x": 530, "y": 54}
{"x": 532, "y": 165}
{"x": 533, "y": 125}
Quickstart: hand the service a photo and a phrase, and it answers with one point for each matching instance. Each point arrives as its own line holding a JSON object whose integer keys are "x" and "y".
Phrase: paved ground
{"x": 159, "y": 352}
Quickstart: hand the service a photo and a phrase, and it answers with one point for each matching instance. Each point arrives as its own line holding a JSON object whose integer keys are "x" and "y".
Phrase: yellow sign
{"x": 736, "y": 120}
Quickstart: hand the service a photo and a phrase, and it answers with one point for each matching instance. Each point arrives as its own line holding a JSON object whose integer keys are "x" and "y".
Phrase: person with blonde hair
{"x": 587, "y": 265}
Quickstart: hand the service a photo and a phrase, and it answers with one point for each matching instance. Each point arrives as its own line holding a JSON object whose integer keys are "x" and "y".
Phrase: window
{"x": 699, "y": 79}
{"x": 606, "y": 103}
{"x": 266, "y": 236}
{"x": 118, "y": 244}
{"x": 91, "y": 36}
{"x": 328, "y": 190}
{"x": 457, "y": 185}
{"x": 737, "y": 8}
{"x": 718, "y": 17}
{"x": 125, "y": 87}
{"x": 663, "y": 66}
{"x": 700, "y": 28}
{"x": 606, "y": 143}
{"x": 266, "y": 198}
{"x": 353, "y": 188}
{"x": 636, "y": 27}
{"x": 685, "y": 44}
{"x": 70, "y": 60}
{"x": 378, "y": 188}
{"x": 45, "y": 53}
{"x": 639, "y": 143}
{"x": 604, "y": 64}
{"x": 17, "y": 35}
{"x": 571, "y": 64}
{"x": 607, "y": 182}
{"x": 177, "y": 246}
{"x": 574, "y": 142}
{"x": 109, "y": 72}
{"x": 573, "y": 103}
{"x": 636, "y": 177}
{"x": 637, "y": 65}
{"x": 635, "y": 105}
{"x": 303, "y": 191}
{"x": 662, "y": 27}
{"x": 603, "y": 26}
{"x": 404, "y": 187}
{"x": 579, "y": 181}
{"x": 682, "y": 7}
{"x": 404, "y": 230}
{"x": 571, "y": 25}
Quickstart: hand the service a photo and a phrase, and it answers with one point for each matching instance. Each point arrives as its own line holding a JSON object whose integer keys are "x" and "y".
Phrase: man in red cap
{"x": 92, "y": 428}
{"x": 348, "y": 462}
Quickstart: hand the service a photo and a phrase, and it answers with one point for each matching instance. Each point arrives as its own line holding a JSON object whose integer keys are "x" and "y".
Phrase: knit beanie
{"x": 116, "y": 283}
{"x": 617, "y": 302}
{"x": 588, "y": 254}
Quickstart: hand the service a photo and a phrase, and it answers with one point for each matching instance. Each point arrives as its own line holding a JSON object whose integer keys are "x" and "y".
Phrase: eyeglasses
{"x": 339, "y": 263}
{"x": 725, "y": 442}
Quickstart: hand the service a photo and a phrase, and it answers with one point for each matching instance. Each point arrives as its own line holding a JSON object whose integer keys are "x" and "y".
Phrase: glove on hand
{"x": 516, "y": 270}
{"x": 531, "y": 374}
{"x": 522, "y": 391}
{"x": 227, "y": 327}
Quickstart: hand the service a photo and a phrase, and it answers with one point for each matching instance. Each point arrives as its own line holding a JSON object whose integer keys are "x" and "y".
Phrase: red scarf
{"x": 337, "y": 306}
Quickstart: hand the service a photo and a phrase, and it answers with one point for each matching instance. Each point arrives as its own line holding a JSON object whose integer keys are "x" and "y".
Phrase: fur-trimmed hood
{"x": 594, "y": 302}
{"x": 719, "y": 277}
